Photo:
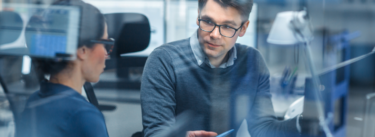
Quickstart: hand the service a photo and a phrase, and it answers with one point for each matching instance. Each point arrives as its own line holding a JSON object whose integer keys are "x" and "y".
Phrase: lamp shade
{"x": 283, "y": 32}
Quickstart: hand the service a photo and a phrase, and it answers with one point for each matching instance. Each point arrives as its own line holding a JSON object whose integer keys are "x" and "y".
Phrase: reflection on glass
{"x": 128, "y": 89}
{"x": 68, "y": 44}
{"x": 62, "y": 31}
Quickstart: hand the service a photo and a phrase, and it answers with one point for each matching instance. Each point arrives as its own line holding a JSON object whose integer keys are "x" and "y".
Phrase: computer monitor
{"x": 58, "y": 40}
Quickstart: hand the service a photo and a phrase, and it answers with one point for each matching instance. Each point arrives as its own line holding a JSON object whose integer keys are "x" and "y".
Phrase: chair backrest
{"x": 132, "y": 31}
{"x": 11, "y": 26}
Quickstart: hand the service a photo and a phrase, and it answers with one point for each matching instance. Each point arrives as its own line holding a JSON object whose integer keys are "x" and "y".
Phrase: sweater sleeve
{"x": 157, "y": 93}
{"x": 262, "y": 121}
{"x": 88, "y": 123}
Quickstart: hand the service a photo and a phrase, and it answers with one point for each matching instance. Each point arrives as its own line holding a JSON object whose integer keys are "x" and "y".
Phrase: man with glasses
{"x": 206, "y": 74}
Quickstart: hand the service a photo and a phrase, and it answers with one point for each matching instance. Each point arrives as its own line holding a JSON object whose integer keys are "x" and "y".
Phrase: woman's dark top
{"x": 60, "y": 111}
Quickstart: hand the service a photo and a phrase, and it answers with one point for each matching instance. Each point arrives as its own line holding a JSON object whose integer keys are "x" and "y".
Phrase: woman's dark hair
{"x": 92, "y": 27}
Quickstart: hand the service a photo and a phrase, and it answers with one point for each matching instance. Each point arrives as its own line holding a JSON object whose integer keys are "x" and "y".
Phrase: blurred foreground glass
{"x": 62, "y": 32}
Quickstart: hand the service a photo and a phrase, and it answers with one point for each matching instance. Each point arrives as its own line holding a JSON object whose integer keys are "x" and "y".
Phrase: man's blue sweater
{"x": 173, "y": 82}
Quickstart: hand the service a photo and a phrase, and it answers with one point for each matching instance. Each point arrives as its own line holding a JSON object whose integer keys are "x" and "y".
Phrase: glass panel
{"x": 293, "y": 65}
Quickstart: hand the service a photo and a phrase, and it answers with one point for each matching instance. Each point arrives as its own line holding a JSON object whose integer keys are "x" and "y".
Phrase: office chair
{"x": 132, "y": 33}
{"x": 11, "y": 25}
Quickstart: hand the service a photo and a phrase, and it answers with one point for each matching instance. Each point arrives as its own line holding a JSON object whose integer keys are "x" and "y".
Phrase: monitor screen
{"x": 45, "y": 31}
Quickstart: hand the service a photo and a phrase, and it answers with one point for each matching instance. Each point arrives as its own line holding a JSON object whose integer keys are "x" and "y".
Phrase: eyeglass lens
{"x": 224, "y": 30}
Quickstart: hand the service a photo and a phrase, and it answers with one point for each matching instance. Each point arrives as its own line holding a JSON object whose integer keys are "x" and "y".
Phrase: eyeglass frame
{"x": 106, "y": 42}
{"x": 220, "y": 28}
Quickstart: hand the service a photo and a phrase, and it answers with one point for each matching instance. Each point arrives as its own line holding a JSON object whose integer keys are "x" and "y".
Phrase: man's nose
{"x": 215, "y": 34}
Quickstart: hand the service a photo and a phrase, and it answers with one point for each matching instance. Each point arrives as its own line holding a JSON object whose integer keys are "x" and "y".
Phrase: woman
{"x": 58, "y": 108}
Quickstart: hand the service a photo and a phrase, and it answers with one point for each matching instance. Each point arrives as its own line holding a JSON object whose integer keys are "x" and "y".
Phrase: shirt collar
{"x": 51, "y": 92}
{"x": 47, "y": 89}
{"x": 201, "y": 57}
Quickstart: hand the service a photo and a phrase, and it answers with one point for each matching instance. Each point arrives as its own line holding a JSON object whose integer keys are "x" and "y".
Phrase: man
{"x": 206, "y": 74}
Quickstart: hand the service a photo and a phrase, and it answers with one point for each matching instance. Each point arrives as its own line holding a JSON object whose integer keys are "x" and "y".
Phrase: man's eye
{"x": 228, "y": 27}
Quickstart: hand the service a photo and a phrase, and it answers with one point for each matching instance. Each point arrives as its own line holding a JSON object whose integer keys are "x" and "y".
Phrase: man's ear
{"x": 82, "y": 53}
{"x": 244, "y": 28}
{"x": 198, "y": 18}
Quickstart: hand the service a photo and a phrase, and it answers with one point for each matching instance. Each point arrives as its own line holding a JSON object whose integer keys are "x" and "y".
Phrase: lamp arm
{"x": 303, "y": 31}
{"x": 317, "y": 93}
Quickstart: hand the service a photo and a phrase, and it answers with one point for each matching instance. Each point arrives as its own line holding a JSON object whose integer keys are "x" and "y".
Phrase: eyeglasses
{"x": 225, "y": 30}
{"x": 108, "y": 44}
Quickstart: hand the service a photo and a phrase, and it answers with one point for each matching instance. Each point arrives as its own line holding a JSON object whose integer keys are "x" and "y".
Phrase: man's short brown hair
{"x": 243, "y": 6}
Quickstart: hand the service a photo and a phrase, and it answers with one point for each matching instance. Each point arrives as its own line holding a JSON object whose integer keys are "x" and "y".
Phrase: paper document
{"x": 242, "y": 131}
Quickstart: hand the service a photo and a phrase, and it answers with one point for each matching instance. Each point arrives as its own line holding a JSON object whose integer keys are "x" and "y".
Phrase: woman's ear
{"x": 82, "y": 53}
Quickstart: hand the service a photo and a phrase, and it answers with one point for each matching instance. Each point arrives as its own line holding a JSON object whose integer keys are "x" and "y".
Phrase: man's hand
{"x": 200, "y": 133}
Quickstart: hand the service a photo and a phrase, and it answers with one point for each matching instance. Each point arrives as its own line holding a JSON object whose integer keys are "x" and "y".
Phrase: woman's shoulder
{"x": 80, "y": 104}
{"x": 87, "y": 117}
{"x": 71, "y": 109}
{"x": 66, "y": 103}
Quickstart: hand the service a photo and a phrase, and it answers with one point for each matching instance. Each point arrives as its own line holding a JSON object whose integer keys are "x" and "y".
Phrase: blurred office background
{"x": 343, "y": 29}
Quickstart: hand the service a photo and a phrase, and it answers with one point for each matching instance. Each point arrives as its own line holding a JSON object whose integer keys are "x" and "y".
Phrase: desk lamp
{"x": 291, "y": 28}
